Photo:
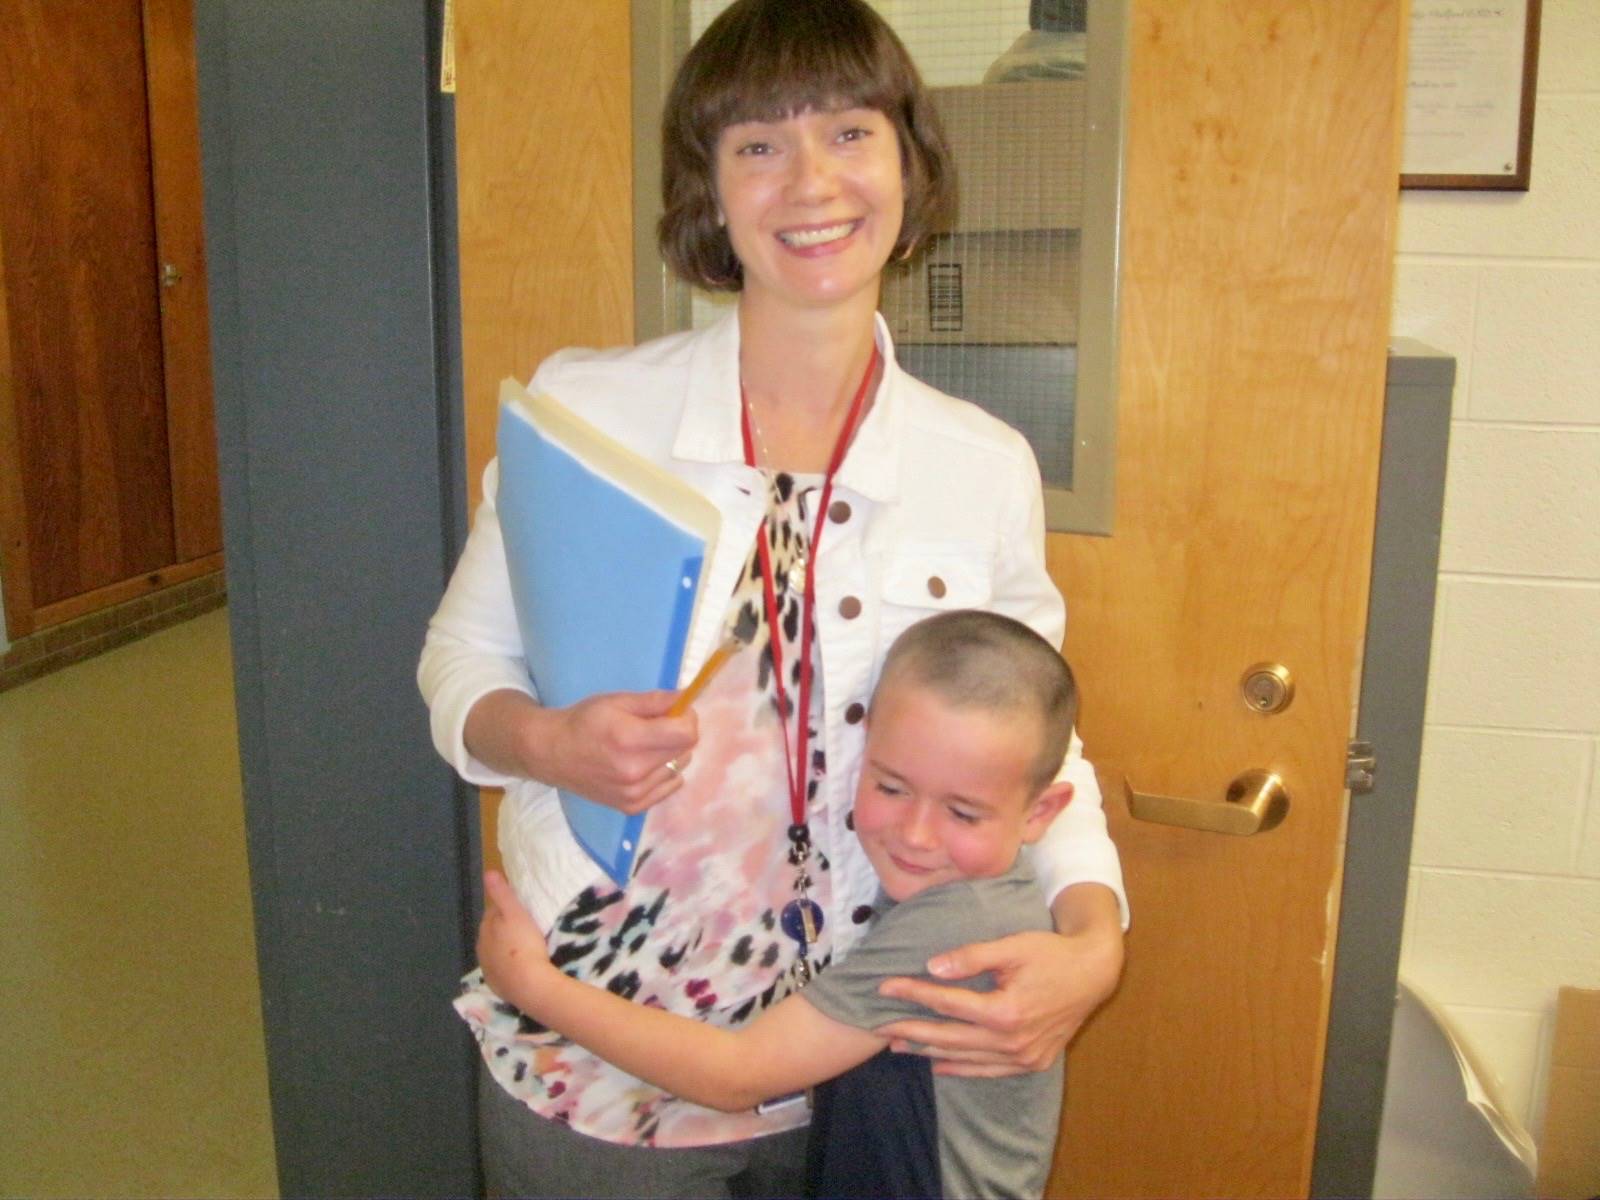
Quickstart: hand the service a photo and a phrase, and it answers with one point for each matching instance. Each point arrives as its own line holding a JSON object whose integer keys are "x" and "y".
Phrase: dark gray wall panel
{"x": 1394, "y": 687}
{"x": 327, "y": 178}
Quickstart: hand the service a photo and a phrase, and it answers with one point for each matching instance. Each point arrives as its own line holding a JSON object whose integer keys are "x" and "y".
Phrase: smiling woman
{"x": 800, "y": 154}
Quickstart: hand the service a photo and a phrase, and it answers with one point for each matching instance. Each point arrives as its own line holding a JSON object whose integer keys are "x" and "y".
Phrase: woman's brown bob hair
{"x": 765, "y": 60}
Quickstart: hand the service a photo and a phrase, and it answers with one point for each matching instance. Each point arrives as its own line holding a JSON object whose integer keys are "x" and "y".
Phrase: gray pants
{"x": 526, "y": 1155}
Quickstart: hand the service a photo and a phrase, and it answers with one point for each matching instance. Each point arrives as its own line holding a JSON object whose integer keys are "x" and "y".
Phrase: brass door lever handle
{"x": 1255, "y": 803}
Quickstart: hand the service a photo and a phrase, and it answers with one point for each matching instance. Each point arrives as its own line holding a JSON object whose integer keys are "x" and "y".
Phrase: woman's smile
{"x": 825, "y": 235}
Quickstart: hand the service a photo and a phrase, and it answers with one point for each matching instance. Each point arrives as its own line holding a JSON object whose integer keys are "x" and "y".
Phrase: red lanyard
{"x": 796, "y": 766}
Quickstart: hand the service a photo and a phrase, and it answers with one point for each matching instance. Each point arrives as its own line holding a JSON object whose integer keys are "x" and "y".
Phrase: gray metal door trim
{"x": 329, "y": 204}
{"x": 1394, "y": 686}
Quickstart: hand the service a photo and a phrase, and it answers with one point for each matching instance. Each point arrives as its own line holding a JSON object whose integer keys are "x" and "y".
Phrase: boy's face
{"x": 947, "y": 793}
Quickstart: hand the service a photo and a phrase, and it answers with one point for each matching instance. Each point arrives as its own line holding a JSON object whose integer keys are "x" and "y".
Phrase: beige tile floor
{"x": 131, "y": 1059}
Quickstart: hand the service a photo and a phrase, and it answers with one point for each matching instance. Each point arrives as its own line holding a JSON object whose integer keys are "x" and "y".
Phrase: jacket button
{"x": 853, "y": 714}
{"x": 936, "y": 587}
{"x": 839, "y": 512}
{"x": 850, "y": 608}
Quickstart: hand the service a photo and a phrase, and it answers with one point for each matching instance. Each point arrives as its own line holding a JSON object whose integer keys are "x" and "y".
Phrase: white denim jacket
{"x": 944, "y": 511}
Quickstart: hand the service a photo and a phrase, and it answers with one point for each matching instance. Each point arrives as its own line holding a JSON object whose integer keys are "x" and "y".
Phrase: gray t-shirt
{"x": 994, "y": 1137}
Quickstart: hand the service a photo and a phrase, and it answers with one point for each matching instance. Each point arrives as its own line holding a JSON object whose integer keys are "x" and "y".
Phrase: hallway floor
{"x": 131, "y": 1056}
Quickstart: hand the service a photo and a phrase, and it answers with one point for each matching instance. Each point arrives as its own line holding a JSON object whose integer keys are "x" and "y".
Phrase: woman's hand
{"x": 510, "y": 947}
{"x": 620, "y": 749}
{"x": 1046, "y": 986}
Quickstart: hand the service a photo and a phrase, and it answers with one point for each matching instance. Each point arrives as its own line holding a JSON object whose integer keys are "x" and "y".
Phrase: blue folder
{"x": 606, "y": 552}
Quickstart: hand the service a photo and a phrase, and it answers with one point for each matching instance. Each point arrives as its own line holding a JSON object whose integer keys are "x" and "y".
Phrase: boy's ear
{"x": 1043, "y": 810}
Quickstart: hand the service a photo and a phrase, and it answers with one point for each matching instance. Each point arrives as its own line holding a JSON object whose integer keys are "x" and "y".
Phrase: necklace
{"x": 802, "y": 917}
{"x": 764, "y": 459}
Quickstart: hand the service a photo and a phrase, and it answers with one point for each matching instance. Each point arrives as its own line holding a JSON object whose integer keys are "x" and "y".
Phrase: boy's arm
{"x": 789, "y": 1047}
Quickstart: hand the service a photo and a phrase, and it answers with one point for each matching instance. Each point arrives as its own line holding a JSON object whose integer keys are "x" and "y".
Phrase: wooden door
{"x": 1259, "y": 226}
{"x": 106, "y": 432}
{"x": 173, "y": 91}
{"x": 1257, "y": 250}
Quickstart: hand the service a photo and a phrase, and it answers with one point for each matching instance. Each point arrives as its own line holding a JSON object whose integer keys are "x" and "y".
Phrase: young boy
{"x": 969, "y": 722}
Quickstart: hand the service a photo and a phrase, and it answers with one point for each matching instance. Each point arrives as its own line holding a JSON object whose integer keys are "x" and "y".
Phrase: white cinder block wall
{"x": 1504, "y": 903}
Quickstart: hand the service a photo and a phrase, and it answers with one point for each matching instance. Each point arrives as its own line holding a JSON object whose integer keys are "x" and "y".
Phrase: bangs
{"x": 794, "y": 57}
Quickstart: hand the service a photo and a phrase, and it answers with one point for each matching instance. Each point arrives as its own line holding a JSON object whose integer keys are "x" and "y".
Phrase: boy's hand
{"x": 1046, "y": 986}
{"x": 510, "y": 946}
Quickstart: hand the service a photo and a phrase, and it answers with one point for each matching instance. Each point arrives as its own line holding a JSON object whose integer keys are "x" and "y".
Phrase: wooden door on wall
{"x": 1260, "y": 199}
{"x": 1258, "y": 238}
{"x": 106, "y": 430}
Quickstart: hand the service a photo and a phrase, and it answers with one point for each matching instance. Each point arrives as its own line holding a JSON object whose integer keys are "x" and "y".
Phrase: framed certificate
{"x": 1470, "y": 93}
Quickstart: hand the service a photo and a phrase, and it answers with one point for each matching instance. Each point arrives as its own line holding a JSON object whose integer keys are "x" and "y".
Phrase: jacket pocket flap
{"x": 937, "y": 577}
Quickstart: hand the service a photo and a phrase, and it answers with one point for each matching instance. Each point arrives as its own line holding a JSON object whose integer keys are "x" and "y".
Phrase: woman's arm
{"x": 789, "y": 1047}
{"x": 1076, "y": 848}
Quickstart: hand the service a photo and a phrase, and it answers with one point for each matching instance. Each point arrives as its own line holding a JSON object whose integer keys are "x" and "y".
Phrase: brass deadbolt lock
{"x": 1267, "y": 688}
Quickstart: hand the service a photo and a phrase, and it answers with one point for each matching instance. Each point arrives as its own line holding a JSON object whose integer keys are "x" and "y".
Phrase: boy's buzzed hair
{"x": 982, "y": 660}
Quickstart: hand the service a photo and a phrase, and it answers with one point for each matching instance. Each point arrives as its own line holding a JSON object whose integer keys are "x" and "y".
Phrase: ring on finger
{"x": 674, "y": 766}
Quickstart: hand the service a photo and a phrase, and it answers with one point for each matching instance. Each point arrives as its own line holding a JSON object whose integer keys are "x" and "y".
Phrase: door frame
{"x": 329, "y": 202}
{"x": 1393, "y": 695}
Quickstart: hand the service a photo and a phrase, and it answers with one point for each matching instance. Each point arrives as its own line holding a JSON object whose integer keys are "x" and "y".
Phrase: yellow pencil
{"x": 712, "y": 665}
